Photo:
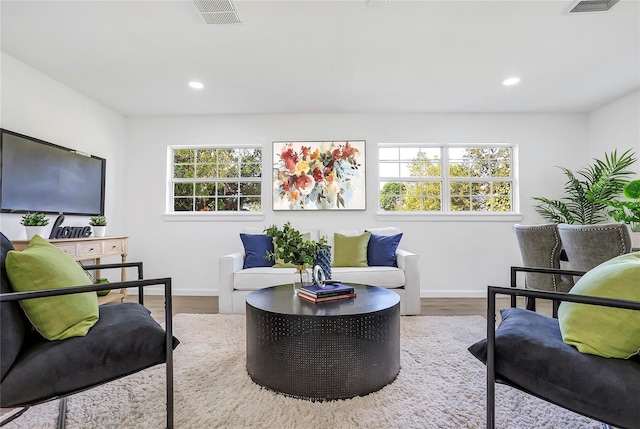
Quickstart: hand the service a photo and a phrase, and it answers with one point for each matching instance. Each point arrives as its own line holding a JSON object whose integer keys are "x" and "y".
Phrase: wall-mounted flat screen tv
{"x": 37, "y": 176}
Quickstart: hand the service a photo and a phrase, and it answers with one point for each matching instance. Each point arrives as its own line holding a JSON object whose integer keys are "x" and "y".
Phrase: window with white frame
{"x": 446, "y": 178}
{"x": 215, "y": 179}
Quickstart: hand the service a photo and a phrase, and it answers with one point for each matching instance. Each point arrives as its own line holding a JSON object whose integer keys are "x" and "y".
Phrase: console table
{"x": 92, "y": 248}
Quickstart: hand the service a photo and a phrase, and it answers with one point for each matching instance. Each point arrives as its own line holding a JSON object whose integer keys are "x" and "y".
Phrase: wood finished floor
{"x": 428, "y": 306}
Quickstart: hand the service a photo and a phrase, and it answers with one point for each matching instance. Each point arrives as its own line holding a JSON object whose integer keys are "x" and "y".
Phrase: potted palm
{"x": 290, "y": 246}
{"x": 34, "y": 224}
{"x": 588, "y": 191}
{"x": 98, "y": 225}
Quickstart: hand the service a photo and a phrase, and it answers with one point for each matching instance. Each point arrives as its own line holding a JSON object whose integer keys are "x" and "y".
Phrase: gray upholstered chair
{"x": 540, "y": 247}
{"x": 587, "y": 246}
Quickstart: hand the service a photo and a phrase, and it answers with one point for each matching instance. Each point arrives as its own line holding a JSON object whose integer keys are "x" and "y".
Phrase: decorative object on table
{"x": 101, "y": 281}
{"x": 319, "y": 175}
{"x": 290, "y": 246}
{"x": 587, "y": 190}
{"x": 99, "y": 225}
{"x": 59, "y": 231}
{"x": 34, "y": 224}
{"x": 329, "y": 291}
{"x": 323, "y": 261}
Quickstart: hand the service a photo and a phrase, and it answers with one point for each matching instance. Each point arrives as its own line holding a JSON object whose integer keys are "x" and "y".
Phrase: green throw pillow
{"x": 605, "y": 331}
{"x": 350, "y": 251}
{"x": 280, "y": 263}
{"x": 44, "y": 266}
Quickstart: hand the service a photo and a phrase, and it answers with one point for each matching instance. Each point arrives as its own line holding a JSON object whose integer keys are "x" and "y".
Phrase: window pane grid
{"x": 472, "y": 178}
{"x": 216, "y": 179}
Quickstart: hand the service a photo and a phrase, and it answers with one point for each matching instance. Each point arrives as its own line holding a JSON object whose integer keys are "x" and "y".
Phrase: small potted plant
{"x": 34, "y": 224}
{"x": 290, "y": 246}
{"x": 98, "y": 225}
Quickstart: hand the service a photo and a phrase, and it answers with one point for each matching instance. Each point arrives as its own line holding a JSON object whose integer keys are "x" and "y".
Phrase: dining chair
{"x": 540, "y": 247}
{"x": 587, "y": 246}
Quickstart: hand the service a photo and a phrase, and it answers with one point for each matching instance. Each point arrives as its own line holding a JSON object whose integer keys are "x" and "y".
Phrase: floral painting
{"x": 319, "y": 175}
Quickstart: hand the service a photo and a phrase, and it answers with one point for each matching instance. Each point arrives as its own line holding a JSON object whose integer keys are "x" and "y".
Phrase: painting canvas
{"x": 326, "y": 175}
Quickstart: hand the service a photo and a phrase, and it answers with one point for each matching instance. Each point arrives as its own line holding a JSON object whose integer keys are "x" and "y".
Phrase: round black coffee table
{"x": 326, "y": 351}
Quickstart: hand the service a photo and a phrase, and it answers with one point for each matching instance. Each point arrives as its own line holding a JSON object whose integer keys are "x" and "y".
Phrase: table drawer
{"x": 89, "y": 250}
{"x": 69, "y": 248}
{"x": 113, "y": 247}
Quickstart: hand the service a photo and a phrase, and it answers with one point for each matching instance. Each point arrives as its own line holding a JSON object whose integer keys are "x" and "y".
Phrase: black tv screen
{"x": 37, "y": 176}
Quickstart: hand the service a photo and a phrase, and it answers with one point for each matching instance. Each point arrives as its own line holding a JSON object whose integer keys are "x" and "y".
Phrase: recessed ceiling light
{"x": 196, "y": 85}
{"x": 511, "y": 81}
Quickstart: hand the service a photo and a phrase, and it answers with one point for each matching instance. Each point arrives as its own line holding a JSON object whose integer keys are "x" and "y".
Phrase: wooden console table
{"x": 92, "y": 248}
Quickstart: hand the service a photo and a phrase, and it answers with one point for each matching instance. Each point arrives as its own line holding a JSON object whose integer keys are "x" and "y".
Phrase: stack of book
{"x": 330, "y": 292}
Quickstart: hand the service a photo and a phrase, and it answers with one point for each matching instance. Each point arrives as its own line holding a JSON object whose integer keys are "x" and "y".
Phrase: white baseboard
{"x": 214, "y": 292}
{"x": 181, "y": 292}
{"x": 453, "y": 294}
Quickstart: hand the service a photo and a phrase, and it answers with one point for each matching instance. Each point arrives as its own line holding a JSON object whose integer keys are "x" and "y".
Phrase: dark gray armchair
{"x": 527, "y": 352}
{"x": 125, "y": 340}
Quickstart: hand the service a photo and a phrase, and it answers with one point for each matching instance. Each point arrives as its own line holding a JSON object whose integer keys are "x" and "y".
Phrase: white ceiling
{"x": 136, "y": 57}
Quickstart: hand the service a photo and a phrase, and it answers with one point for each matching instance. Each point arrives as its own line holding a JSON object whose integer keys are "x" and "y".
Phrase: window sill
{"x": 451, "y": 217}
{"x": 212, "y": 217}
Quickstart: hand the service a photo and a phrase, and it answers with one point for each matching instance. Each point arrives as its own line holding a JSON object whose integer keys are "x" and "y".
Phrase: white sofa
{"x": 235, "y": 283}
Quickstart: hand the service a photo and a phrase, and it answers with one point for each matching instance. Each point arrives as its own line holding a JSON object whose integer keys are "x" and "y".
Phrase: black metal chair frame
{"x": 140, "y": 284}
{"x": 556, "y": 297}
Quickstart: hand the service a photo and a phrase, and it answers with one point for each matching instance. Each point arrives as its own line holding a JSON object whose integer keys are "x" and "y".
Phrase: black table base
{"x": 323, "y": 357}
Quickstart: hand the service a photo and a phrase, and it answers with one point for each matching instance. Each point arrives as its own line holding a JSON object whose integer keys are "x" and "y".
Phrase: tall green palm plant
{"x": 587, "y": 189}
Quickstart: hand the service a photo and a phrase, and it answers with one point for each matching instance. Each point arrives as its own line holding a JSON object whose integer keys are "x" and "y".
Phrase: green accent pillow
{"x": 350, "y": 251}
{"x": 44, "y": 266}
{"x": 280, "y": 263}
{"x": 605, "y": 331}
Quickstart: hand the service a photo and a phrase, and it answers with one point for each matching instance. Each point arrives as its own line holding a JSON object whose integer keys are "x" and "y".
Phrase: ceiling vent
{"x": 592, "y": 6}
{"x": 218, "y": 11}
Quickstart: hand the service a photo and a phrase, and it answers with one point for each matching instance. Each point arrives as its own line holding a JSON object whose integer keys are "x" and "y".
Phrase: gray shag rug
{"x": 440, "y": 385}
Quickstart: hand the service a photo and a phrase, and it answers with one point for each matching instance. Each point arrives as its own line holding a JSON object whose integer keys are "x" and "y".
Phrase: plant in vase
{"x": 290, "y": 246}
{"x": 34, "y": 224}
{"x": 98, "y": 225}
{"x": 588, "y": 191}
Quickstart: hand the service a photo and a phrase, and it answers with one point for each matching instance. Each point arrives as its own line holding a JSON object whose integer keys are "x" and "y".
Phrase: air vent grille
{"x": 218, "y": 11}
{"x": 593, "y": 6}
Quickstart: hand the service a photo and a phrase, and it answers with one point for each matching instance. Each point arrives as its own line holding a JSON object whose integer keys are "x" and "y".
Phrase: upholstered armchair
{"x": 588, "y": 246}
{"x": 540, "y": 247}
{"x": 124, "y": 339}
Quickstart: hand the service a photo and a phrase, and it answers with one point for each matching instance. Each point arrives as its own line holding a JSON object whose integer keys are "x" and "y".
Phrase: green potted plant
{"x": 290, "y": 246}
{"x": 34, "y": 224}
{"x": 98, "y": 225}
{"x": 628, "y": 211}
{"x": 588, "y": 191}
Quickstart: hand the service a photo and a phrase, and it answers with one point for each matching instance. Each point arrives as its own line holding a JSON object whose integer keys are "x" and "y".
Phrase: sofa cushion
{"x": 44, "y": 266}
{"x": 256, "y": 247}
{"x": 350, "y": 251}
{"x": 605, "y": 331}
{"x": 259, "y": 278}
{"x": 381, "y": 250}
{"x": 530, "y": 353}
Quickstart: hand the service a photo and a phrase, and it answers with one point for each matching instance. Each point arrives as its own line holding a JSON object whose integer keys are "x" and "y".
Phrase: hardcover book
{"x": 325, "y": 299}
{"x": 327, "y": 290}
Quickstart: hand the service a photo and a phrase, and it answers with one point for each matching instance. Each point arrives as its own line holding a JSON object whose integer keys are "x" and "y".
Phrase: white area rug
{"x": 440, "y": 385}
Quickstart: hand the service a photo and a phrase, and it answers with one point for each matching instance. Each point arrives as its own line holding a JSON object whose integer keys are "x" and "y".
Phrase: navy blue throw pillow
{"x": 381, "y": 250}
{"x": 256, "y": 247}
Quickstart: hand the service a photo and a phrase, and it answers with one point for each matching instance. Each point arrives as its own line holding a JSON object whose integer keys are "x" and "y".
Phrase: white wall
{"x": 458, "y": 258}
{"x": 38, "y": 106}
{"x": 616, "y": 126}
